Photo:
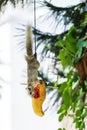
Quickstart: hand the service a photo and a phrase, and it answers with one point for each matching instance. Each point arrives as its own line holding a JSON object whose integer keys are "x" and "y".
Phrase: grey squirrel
{"x": 32, "y": 63}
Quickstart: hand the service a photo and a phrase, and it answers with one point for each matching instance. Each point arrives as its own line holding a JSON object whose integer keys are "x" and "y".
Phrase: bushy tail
{"x": 29, "y": 42}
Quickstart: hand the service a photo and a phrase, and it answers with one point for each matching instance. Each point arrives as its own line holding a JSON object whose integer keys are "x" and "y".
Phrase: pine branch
{"x": 55, "y": 95}
{"x": 3, "y": 2}
{"x": 60, "y": 9}
{"x": 73, "y": 14}
{"x": 47, "y": 81}
{"x": 48, "y": 40}
{"x": 44, "y": 36}
{"x": 13, "y": 2}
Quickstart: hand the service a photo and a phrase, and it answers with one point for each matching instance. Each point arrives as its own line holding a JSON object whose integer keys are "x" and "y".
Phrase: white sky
{"x": 15, "y": 105}
{"x": 5, "y": 101}
{"x": 65, "y": 2}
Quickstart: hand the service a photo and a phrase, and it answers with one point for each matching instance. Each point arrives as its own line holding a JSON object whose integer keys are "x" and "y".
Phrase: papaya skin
{"x": 38, "y": 98}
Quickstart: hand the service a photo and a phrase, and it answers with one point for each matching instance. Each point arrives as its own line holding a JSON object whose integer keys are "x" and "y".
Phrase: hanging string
{"x": 35, "y": 24}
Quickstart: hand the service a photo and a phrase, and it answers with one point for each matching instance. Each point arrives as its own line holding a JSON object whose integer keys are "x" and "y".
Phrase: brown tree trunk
{"x": 81, "y": 68}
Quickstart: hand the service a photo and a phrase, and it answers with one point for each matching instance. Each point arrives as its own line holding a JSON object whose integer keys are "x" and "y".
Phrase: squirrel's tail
{"x": 29, "y": 42}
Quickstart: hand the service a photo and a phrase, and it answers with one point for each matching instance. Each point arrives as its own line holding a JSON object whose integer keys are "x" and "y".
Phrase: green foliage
{"x": 67, "y": 53}
{"x": 72, "y": 47}
{"x": 61, "y": 129}
{"x": 72, "y": 91}
{"x": 80, "y": 45}
{"x": 69, "y": 48}
{"x": 72, "y": 96}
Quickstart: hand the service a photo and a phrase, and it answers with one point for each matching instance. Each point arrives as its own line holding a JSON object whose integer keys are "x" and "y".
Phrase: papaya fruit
{"x": 39, "y": 95}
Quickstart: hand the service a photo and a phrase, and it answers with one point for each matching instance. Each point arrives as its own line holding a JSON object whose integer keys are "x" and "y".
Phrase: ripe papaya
{"x": 39, "y": 95}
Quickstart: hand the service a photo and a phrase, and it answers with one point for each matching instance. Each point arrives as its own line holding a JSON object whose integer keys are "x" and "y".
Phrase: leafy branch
{"x": 73, "y": 56}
